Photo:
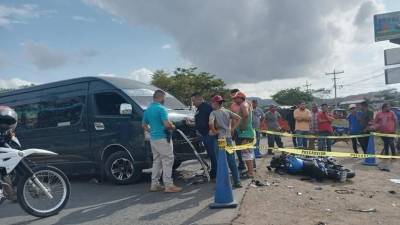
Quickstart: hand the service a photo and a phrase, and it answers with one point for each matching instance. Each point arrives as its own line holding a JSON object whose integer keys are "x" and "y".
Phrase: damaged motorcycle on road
{"x": 318, "y": 168}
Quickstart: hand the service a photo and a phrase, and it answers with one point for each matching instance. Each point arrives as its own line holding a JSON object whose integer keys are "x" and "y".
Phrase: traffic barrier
{"x": 223, "y": 197}
{"x": 370, "y": 161}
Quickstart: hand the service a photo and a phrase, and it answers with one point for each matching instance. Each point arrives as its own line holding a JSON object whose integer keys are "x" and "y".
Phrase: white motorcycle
{"x": 42, "y": 191}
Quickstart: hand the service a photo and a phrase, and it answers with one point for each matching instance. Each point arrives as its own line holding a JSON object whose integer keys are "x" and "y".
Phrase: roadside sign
{"x": 387, "y": 26}
{"x": 392, "y": 75}
{"x": 392, "y": 56}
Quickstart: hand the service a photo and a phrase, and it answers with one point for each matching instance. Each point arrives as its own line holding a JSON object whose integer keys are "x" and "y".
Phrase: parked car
{"x": 95, "y": 125}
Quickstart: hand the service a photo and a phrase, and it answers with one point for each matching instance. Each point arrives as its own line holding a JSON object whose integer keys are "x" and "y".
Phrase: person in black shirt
{"x": 201, "y": 122}
{"x": 292, "y": 123}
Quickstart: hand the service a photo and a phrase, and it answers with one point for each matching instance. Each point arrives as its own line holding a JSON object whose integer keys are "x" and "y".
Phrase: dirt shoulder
{"x": 289, "y": 200}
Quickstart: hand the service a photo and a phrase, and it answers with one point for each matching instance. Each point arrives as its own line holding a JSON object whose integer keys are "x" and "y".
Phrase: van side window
{"x": 52, "y": 113}
{"x": 107, "y": 104}
{"x": 61, "y": 112}
{"x": 28, "y": 115}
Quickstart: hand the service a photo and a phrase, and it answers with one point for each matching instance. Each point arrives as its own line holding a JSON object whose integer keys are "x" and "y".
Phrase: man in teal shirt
{"x": 155, "y": 121}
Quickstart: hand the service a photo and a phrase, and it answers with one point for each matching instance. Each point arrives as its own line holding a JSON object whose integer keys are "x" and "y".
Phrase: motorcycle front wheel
{"x": 2, "y": 197}
{"x": 35, "y": 201}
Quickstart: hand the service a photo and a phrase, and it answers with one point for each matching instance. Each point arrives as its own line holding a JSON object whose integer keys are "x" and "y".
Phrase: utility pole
{"x": 334, "y": 73}
{"x": 307, "y": 85}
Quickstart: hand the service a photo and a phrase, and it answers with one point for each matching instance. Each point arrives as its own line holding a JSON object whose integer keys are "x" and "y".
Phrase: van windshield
{"x": 143, "y": 97}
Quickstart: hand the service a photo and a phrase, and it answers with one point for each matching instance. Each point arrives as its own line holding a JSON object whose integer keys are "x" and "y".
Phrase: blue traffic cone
{"x": 370, "y": 150}
{"x": 257, "y": 153}
{"x": 223, "y": 197}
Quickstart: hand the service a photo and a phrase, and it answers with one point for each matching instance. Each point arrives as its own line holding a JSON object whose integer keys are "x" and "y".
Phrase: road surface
{"x": 92, "y": 203}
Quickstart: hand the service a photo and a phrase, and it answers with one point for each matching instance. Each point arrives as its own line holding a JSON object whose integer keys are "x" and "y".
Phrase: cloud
{"x": 13, "y": 83}
{"x": 143, "y": 75}
{"x": 117, "y": 20}
{"x": 166, "y": 46}
{"x": 84, "y": 19}
{"x": 19, "y": 14}
{"x": 252, "y": 40}
{"x": 106, "y": 75}
{"x": 363, "y": 20}
{"x": 43, "y": 57}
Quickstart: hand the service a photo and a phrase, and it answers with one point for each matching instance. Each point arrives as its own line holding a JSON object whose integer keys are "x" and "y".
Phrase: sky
{"x": 258, "y": 46}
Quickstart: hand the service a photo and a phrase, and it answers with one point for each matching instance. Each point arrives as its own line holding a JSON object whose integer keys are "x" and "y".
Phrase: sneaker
{"x": 156, "y": 188}
{"x": 237, "y": 185}
{"x": 172, "y": 189}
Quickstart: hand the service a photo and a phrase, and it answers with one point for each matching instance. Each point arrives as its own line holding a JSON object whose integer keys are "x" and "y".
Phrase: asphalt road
{"x": 92, "y": 203}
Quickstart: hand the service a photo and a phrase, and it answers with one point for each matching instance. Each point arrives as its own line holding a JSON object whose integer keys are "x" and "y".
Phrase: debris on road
{"x": 396, "y": 181}
{"x": 94, "y": 181}
{"x": 257, "y": 183}
{"x": 371, "y": 210}
{"x": 344, "y": 191}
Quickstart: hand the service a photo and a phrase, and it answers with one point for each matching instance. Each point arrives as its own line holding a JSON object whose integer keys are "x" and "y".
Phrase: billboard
{"x": 392, "y": 56}
{"x": 387, "y": 26}
{"x": 392, "y": 75}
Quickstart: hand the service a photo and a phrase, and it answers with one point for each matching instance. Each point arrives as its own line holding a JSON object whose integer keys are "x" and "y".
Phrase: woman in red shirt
{"x": 386, "y": 122}
{"x": 324, "y": 119}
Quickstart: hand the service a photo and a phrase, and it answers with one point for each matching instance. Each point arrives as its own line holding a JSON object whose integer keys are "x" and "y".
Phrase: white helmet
{"x": 8, "y": 119}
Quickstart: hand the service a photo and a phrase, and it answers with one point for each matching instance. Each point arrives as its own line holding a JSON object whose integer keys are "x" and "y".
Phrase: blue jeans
{"x": 211, "y": 145}
{"x": 302, "y": 142}
{"x": 257, "y": 149}
{"x": 232, "y": 163}
{"x": 324, "y": 144}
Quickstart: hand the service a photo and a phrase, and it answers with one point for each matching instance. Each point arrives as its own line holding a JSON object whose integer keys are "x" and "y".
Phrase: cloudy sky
{"x": 259, "y": 46}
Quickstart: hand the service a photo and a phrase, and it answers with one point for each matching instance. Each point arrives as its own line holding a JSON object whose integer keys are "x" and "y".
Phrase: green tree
{"x": 185, "y": 81}
{"x": 291, "y": 96}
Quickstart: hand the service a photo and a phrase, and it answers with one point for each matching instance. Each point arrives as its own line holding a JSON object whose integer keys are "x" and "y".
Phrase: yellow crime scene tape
{"x": 222, "y": 144}
{"x": 333, "y": 154}
{"x": 385, "y": 135}
{"x": 285, "y": 134}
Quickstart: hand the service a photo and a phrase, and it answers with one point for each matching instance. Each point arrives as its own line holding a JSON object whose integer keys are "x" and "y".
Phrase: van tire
{"x": 120, "y": 169}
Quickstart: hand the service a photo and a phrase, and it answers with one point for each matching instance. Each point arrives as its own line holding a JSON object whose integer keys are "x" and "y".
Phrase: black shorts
{"x": 241, "y": 140}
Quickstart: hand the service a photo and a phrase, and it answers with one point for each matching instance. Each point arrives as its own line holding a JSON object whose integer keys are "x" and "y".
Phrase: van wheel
{"x": 120, "y": 169}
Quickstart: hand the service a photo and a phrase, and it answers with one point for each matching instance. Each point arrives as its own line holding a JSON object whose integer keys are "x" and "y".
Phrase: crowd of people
{"x": 241, "y": 124}
{"x": 361, "y": 119}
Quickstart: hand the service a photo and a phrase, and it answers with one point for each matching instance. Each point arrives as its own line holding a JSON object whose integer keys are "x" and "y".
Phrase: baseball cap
{"x": 239, "y": 94}
{"x": 217, "y": 98}
{"x": 352, "y": 106}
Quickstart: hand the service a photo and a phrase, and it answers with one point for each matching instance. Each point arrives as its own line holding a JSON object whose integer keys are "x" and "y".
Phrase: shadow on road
{"x": 93, "y": 202}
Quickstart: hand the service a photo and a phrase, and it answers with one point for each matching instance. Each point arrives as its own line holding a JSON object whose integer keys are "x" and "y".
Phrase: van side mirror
{"x": 125, "y": 109}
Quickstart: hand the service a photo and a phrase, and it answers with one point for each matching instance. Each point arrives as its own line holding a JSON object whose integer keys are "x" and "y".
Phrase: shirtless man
{"x": 245, "y": 130}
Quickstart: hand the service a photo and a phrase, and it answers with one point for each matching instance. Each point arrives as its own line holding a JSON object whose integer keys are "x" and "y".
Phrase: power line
{"x": 335, "y": 86}
{"x": 363, "y": 80}
{"x": 308, "y": 85}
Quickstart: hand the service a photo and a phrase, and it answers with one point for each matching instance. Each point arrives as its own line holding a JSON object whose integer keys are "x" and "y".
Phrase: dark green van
{"x": 95, "y": 125}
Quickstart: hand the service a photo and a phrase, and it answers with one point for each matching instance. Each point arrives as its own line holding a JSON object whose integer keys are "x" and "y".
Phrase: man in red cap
{"x": 222, "y": 122}
{"x": 236, "y": 109}
{"x": 245, "y": 131}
